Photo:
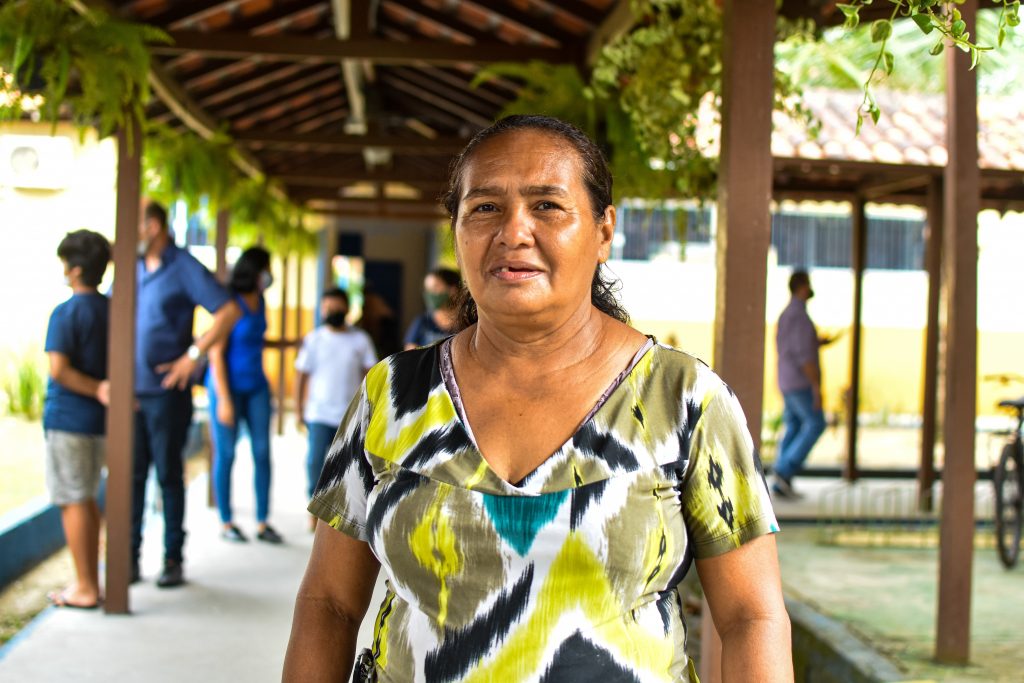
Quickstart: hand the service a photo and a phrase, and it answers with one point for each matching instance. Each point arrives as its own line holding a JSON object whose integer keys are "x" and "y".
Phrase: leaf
{"x": 958, "y": 28}
{"x": 975, "y": 56}
{"x": 875, "y": 113}
{"x": 852, "y": 14}
{"x": 888, "y": 62}
{"x": 1002, "y": 36}
{"x": 881, "y": 30}
{"x": 860, "y": 123}
{"x": 924, "y": 22}
{"x": 939, "y": 47}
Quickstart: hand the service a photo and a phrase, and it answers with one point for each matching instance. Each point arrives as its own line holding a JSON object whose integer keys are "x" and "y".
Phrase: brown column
{"x": 859, "y": 233}
{"x": 930, "y": 383}
{"x": 121, "y": 372}
{"x": 952, "y": 643}
{"x": 282, "y": 349}
{"x": 221, "y": 246}
{"x": 744, "y": 223}
{"x": 223, "y": 227}
{"x": 298, "y": 297}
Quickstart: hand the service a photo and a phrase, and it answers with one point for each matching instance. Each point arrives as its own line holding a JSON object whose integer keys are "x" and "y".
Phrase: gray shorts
{"x": 74, "y": 463}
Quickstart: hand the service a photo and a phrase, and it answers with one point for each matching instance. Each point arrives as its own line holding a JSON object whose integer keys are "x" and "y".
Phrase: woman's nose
{"x": 516, "y": 228}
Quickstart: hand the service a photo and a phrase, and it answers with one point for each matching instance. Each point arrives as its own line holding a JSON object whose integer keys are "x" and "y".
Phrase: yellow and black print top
{"x": 572, "y": 574}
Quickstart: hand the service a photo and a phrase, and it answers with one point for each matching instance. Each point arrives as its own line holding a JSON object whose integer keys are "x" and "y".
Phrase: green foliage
{"x": 260, "y": 212}
{"x": 647, "y": 115}
{"x": 935, "y": 19}
{"x": 94, "y": 64}
{"x": 185, "y": 166}
{"x": 25, "y": 387}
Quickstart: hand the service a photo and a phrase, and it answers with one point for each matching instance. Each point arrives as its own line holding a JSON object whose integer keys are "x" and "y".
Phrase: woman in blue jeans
{"x": 239, "y": 393}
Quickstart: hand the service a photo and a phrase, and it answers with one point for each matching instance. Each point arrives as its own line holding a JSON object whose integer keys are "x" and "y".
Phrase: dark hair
{"x": 798, "y": 278}
{"x": 449, "y": 277}
{"x": 336, "y": 293}
{"x": 157, "y": 211}
{"x": 245, "y": 276}
{"x": 88, "y": 250}
{"x": 596, "y": 178}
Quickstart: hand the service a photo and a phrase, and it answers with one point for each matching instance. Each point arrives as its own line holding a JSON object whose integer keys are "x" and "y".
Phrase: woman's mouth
{"x": 515, "y": 273}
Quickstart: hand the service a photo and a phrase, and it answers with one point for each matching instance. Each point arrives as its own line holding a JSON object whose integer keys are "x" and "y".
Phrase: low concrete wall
{"x": 825, "y": 651}
{"x": 28, "y": 535}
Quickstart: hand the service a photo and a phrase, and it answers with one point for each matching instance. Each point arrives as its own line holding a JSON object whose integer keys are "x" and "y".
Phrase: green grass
{"x": 22, "y": 462}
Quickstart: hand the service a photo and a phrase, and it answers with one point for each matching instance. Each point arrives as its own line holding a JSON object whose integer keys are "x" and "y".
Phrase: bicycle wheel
{"x": 1009, "y": 482}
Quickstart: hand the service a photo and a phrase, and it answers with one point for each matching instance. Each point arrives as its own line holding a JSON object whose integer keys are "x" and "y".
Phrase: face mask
{"x": 436, "y": 300}
{"x": 67, "y": 280}
{"x": 266, "y": 279}
{"x": 143, "y": 247}
{"x": 336, "y": 319}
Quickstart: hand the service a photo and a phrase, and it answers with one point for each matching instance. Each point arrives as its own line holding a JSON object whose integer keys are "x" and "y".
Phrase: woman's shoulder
{"x": 693, "y": 379}
{"x": 406, "y": 373}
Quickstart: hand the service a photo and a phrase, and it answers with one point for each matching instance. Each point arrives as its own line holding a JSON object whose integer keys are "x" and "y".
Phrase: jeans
{"x": 252, "y": 408}
{"x": 320, "y": 437}
{"x": 804, "y": 424}
{"x": 161, "y": 430}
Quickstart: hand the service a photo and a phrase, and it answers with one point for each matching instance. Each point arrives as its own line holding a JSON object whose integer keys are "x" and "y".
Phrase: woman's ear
{"x": 606, "y": 230}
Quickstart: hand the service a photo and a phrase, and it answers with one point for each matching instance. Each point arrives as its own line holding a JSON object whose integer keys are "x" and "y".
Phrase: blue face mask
{"x": 266, "y": 279}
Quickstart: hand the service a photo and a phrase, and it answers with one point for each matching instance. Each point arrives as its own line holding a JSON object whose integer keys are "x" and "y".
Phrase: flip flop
{"x": 59, "y": 599}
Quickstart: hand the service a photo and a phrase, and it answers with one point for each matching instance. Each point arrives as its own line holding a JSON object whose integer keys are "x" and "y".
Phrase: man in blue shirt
{"x": 799, "y": 375}
{"x": 171, "y": 283}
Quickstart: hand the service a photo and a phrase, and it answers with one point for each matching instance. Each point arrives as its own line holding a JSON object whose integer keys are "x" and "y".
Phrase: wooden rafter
{"x": 347, "y": 143}
{"x": 231, "y": 45}
{"x": 271, "y": 96}
{"x": 534, "y": 23}
{"x": 436, "y": 101}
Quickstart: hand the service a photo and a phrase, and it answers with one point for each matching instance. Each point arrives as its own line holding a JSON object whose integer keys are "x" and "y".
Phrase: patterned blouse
{"x": 570, "y": 575}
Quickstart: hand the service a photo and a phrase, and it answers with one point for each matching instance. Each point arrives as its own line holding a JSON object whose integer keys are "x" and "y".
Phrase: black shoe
{"x": 268, "y": 535}
{"x": 233, "y": 533}
{"x": 136, "y": 574}
{"x": 172, "y": 575}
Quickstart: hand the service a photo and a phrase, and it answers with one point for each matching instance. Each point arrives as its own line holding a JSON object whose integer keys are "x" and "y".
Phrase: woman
{"x": 536, "y": 486}
{"x": 440, "y": 294}
{"x": 239, "y": 393}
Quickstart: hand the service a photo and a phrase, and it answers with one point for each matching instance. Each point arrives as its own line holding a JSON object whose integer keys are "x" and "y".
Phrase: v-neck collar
{"x": 454, "y": 395}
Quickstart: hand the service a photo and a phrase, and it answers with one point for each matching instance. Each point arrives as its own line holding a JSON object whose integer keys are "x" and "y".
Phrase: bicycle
{"x": 1008, "y": 479}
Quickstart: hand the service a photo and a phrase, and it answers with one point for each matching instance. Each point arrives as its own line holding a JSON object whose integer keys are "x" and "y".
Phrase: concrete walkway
{"x": 229, "y": 623}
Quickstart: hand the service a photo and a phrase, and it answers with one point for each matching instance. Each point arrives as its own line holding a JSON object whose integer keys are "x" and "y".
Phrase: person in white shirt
{"x": 331, "y": 365}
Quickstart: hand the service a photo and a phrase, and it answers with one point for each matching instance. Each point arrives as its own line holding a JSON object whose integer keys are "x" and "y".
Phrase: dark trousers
{"x": 161, "y": 430}
{"x": 320, "y": 437}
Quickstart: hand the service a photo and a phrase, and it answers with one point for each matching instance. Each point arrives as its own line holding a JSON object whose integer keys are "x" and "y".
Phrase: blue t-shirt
{"x": 165, "y": 310}
{"x": 425, "y": 331}
{"x": 78, "y": 329}
{"x": 244, "y": 350}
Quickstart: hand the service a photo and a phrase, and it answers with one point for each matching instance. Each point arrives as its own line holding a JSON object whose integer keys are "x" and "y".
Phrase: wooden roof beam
{"x": 436, "y": 101}
{"x": 347, "y": 143}
{"x": 231, "y": 45}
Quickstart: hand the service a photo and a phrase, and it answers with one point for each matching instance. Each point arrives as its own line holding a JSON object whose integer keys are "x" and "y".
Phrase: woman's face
{"x": 525, "y": 234}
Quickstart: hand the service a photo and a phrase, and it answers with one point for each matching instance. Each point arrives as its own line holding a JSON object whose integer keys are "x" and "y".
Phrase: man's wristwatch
{"x": 194, "y": 353}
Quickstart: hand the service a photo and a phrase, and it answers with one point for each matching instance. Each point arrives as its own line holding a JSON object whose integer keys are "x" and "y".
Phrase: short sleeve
{"x": 804, "y": 341}
{"x": 304, "y": 359}
{"x": 725, "y": 498}
{"x": 340, "y": 496}
{"x": 202, "y": 286}
{"x": 369, "y": 353}
{"x": 59, "y": 337}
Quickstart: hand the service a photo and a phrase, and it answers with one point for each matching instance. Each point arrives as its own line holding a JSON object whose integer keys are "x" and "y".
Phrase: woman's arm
{"x": 301, "y": 393}
{"x": 744, "y": 593}
{"x": 78, "y": 382}
{"x": 329, "y": 608}
{"x": 219, "y": 374}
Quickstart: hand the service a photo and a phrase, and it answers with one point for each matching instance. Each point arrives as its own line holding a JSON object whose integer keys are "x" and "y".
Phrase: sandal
{"x": 60, "y": 599}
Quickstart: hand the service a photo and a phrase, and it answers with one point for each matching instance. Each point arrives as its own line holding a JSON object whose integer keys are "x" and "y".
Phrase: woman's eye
{"x": 546, "y": 205}
{"x": 486, "y": 207}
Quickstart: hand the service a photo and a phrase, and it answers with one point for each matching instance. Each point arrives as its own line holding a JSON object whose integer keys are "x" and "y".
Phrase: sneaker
{"x": 172, "y": 575}
{"x": 234, "y": 534}
{"x": 784, "y": 489}
{"x": 268, "y": 535}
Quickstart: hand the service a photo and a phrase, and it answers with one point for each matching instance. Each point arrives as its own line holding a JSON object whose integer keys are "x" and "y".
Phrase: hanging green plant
{"x": 650, "y": 118}
{"x": 937, "y": 18}
{"x": 94, "y": 64}
{"x": 181, "y": 165}
{"x": 261, "y": 213}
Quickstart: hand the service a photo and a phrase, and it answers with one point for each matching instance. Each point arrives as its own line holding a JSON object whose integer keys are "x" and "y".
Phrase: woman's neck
{"x": 251, "y": 299}
{"x": 550, "y": 348}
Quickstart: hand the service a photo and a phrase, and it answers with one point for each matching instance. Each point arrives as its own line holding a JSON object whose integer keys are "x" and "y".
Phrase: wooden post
{"x": 298, "y": 297}
{"x": 962, "y": 183}
{"x": 121, "y": 372}
{"x": 930, "y": 383}
{"x": 859, "y": 235}
{"x": 744, "y": 224}
{"x": 282, "y": 349}
{"x": 221, "y": 246}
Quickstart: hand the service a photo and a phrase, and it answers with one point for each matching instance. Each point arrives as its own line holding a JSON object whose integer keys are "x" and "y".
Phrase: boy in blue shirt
{"x": 74, "y": 414}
